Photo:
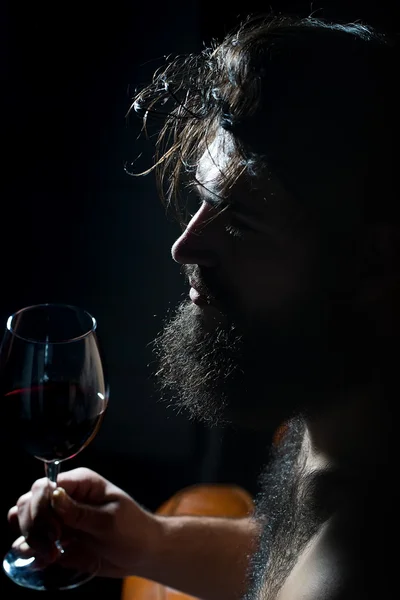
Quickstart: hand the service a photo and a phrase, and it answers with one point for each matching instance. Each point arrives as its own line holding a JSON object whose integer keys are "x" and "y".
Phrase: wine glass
{"x": 53, "y": 385}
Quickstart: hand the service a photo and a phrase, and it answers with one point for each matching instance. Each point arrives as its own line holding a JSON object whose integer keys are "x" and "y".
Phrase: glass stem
{"x": 52, "y": 470}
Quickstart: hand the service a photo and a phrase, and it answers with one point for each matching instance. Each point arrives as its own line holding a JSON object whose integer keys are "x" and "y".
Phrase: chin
{"x": 211, "y": 317}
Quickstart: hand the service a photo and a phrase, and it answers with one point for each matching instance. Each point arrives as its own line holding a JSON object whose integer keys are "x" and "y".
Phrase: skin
{"x": 263, "y": 265}
{"x": 262, "y": 276}
{"x": 266, "y": 273}
{"x": 253, "y": 262}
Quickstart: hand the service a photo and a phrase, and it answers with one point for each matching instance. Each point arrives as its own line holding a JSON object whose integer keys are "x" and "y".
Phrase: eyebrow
{"x": 207, "y": 195}
{"x": 216, "y": 202}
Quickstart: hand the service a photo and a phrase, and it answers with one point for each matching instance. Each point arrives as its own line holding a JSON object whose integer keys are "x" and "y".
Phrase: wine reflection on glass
{"x": 53, "y": 381}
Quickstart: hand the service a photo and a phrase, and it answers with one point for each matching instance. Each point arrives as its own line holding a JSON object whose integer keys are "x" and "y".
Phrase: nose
{"x": 197, "y": 244}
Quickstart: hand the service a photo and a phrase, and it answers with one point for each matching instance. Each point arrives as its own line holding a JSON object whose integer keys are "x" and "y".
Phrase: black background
{"x": 76, "y": 228}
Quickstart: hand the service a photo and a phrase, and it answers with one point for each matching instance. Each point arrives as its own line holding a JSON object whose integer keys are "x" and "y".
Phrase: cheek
{"x": 274, "y": 282}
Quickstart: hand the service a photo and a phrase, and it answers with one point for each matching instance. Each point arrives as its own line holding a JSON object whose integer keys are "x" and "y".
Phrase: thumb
{"x": 82, "y": 517}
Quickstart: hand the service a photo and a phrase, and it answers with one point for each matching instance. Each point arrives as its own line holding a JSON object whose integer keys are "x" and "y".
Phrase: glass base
{"x": 27, "y": 573}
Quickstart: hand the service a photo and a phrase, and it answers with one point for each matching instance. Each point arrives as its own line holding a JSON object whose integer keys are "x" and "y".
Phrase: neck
{"x": 352, "y": 435}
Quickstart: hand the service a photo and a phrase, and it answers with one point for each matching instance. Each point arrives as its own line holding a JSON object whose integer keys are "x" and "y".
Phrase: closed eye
{"x": 234, "y": 231}
{"x": 237, "y": 228}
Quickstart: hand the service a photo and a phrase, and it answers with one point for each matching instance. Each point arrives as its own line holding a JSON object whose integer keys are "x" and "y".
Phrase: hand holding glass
{"x": 52, "y": 378}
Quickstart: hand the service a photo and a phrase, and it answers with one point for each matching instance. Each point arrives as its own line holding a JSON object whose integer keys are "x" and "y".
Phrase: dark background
{"x": 76, "y": 228}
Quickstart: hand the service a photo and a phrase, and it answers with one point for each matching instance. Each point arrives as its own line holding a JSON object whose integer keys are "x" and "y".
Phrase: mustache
{"x": 207, "y": 282}
{"x": 204, "y": 281}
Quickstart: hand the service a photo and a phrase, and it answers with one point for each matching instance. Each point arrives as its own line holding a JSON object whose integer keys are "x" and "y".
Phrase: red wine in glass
{"x": 62, "y": 419}
{"x": 55, "y": 392}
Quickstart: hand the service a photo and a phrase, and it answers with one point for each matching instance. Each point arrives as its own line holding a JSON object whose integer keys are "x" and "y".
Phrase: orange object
{"x": 212, "y": 500}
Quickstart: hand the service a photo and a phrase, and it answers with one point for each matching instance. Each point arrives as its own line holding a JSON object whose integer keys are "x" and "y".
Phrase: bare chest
{"x": 316, "y": 573}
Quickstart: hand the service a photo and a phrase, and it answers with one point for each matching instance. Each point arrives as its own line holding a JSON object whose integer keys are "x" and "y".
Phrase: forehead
{"x": 215, "y": 161}
{"x": 262, "y": 193}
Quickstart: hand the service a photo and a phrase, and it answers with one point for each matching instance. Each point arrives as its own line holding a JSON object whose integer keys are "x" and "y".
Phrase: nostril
{"x": 186, "y": 251}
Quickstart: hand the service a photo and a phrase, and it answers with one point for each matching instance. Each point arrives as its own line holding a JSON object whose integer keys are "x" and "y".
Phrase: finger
{"x": 23, "y": 551}
{"x": 28, "y": 504}
{"x": 37, "y": 521}
{"x": 40, "y": 503}
{"x": 85, "y": 485}
{"x": 18, "y": 512}
{"x": 95, "y": 520}
{"x": 19, "y": 543}
{"x": 24, "y": 511}
{"x": 13, "y": 521}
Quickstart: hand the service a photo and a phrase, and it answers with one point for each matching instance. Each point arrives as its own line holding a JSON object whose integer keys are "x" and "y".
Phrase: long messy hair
{"x": 307, "y": 98}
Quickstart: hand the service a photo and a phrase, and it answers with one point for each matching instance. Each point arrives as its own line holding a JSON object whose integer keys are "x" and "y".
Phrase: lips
{"x": 196, "y": 296}
{"x": 197, "y": 288}
{"x": 202, "y": 298}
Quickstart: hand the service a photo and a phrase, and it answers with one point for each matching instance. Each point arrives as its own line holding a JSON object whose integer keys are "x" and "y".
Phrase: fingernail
{"x": 59, "y": 500}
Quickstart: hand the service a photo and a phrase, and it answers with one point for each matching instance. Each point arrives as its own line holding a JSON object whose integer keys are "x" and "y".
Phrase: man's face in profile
{"x": 268, "y": 326}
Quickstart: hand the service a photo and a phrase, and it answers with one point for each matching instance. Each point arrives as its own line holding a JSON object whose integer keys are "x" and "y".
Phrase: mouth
{"x": 206, "y": 304}
{"x": 198, "y": 296}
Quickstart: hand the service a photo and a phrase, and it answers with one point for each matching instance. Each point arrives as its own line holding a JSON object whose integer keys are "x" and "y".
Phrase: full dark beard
{"x": 263, "y": 376}
{"x": 220, "y": 375}
{"x": 198, "y": 364}
{"x": 224, "y": 367}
